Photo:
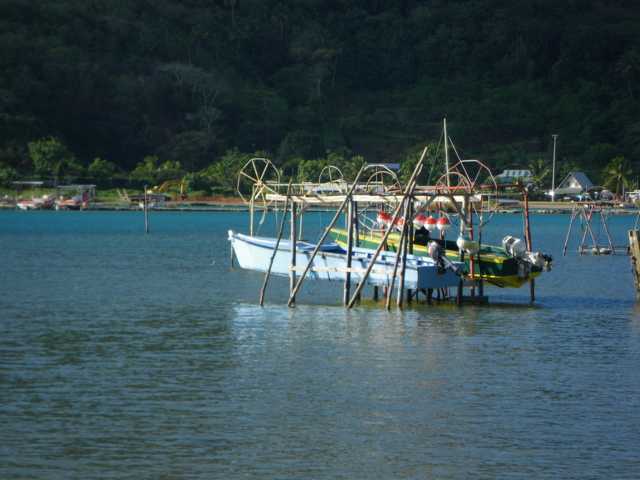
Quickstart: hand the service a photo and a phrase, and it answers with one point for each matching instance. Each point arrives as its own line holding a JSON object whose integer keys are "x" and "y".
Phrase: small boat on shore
{"x": 76, "y": 202}
{"x": 254, "y": 253}
{"x": 36, "y": 203}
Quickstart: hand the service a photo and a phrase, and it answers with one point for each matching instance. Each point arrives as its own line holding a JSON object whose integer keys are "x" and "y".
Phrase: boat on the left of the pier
{"x": 254, "y": 253}
{"x": 45, "y": 202}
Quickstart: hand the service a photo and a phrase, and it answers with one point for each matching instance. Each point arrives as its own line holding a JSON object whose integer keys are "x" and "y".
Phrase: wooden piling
{"x": 527, "y": 237}
{"x": 322, "y": 238}
{"x": 347, "y": 278}
{"x": 275, "y": 250}
{"x": 405, "y": 247}
{"x": 292, "y": 268}
{"x": 574, "y": 214}
{"x": 407, "y": 193}
{"x": 396, "y": 262}
{"x": 634, "y": 248}
{"x": 145, "y": 208}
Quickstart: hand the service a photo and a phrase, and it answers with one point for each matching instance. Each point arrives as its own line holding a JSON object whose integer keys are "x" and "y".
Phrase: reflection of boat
{"x": 36, "y": 203}
{"x": 254, "y": 253}
{"x": 497, "y": 265}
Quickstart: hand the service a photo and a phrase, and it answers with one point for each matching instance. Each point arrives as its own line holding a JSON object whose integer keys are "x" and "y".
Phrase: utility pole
{"x": 553, "y": 169}
{"x": 446, "y": 151}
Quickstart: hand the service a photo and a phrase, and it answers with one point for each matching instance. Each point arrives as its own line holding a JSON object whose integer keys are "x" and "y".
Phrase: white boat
{"x": 254, "y": 253}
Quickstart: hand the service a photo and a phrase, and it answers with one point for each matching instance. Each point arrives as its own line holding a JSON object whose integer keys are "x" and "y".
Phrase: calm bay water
{"x": 132, "y": 356}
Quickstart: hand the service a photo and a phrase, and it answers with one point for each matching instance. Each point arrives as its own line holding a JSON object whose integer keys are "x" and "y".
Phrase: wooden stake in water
{"x": 634, "y": 250}
{"x": 323, "y": 236}
{"x": 145, "y": 208}
{"x": 411, "y": 184}
{"x": 275, "y": 250}
{"x": 527, "y": 238}
{"x": 292, "y": 267}
{"x": 347, "y": 278}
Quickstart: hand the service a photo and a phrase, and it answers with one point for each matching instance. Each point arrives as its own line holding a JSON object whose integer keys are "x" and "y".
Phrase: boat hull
{"x": 254, "y": 253}
{"x": 496, "y": 267}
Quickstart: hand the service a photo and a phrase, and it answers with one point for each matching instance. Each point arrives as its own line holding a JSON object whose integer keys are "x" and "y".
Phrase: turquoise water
{"x": 124, "y": 355}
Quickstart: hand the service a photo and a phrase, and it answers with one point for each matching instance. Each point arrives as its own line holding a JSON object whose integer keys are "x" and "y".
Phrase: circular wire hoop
{"x": 257, "y": 178}
{"x": 474, "y": 179}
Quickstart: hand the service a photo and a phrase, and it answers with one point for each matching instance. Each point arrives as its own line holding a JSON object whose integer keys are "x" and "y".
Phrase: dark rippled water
{"x": 132, "y": 356}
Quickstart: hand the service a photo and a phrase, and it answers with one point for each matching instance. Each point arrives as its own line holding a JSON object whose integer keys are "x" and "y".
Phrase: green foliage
{"x": 311, "y": 170}
{"x": 7, "y": 174}
{"x": 617, "y": 174}
{"x": 224, "y": 172}
{"x": 51, "y": 157}
{"x": 191, "y": 80}
{"x": 433, "y": 166}
{"x": 101, "y": 169}
{"x": 146, "y": 171}
{"x": 169, "y": 170}
{"x": 541, "y": 172}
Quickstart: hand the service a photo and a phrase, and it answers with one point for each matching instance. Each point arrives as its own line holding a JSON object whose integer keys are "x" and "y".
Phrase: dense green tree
{"x": 147, "y": 170}
{"x": 541, "y": 172}
{"x": 191, "y": 80}
{"x": 51, "y": 157}
{"x": 101, "y": 170}
{"x": 617, "y": 174}
{"x": 224, "y": 172}
{"x": 7, "y": 174}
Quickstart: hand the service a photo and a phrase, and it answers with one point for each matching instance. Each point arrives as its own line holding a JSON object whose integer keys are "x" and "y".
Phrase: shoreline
{"x": 236, "y": 205}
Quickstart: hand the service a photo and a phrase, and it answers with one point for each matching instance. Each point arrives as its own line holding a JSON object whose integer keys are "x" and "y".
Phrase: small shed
{"x": 573, "y": 184}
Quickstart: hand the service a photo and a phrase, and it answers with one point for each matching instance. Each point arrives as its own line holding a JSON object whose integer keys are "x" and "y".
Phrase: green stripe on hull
{"x": 496, "y": 266}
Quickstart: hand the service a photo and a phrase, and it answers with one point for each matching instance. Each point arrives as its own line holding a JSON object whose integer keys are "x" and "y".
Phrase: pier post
{"x": 634, "y": 249}
{"x": 347, "y": 277}
{"x": 322, "y": 238}
{"x": 463, "y": 220}
{"x": 251, "y": 209}
{"x": 408, "y": 191}
{"x": 405, "y": 247}
{"x": 527, "y": 237}
{"x": 275, "y": 250}
{"x": 145, "y": 207}
{"x": 292, "y": 267}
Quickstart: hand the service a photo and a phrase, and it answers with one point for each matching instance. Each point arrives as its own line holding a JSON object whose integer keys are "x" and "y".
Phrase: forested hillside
{"x": 190, "y": 81}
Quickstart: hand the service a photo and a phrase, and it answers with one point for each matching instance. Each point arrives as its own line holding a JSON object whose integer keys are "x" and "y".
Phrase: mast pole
{"x": 553, "y": 169}
{"x": 446, "y": 151}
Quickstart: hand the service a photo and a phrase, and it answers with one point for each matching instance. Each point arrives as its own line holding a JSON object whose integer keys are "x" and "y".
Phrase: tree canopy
{"x": 189, "y": 81}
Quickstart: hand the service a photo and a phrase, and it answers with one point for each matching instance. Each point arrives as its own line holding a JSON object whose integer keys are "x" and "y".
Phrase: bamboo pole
{"x": 634, "y": 250}
{"x": 408, "y": 191}
{"x": 145, "y": 206}
{"x": 603, "y": 219}
{"x": 275, "y": 250}
{"x": 405, "y": 247}
{"x": 463, "y": 217}
{"x": 347, "y": 278}
{"x": 527, "y": 236}
{"x": 574, "y": 214}
{"x": 480, "y": 280}
{"x": 292, "y": 269}
{"x": 399, "y": 250}
{"x": 591, "y": 234}
{"x": 322, "y": 238}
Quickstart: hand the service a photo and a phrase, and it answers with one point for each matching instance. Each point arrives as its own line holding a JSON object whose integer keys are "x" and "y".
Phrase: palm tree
{"x": 617, "y": 173}
{"x": 540, "y": 171}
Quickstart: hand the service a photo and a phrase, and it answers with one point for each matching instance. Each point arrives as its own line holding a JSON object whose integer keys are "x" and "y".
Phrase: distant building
{"x": 574, "y": 183}
{"x": 391, "y": 166}
{"x": 515, "y": 176}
